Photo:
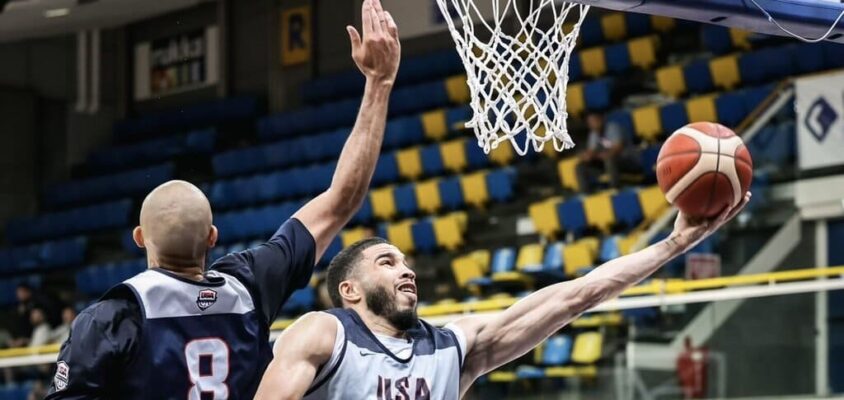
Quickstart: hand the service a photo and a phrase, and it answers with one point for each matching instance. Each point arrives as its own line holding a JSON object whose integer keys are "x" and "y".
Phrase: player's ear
{"x": 138, "y": 236}
{"x": 350, "y": 292}
{"x": 213, "y": 235}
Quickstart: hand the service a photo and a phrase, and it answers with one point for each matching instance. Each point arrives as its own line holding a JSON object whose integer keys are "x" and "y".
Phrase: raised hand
{"x": 688, "y": 231}
{"x": 377, "y": 55}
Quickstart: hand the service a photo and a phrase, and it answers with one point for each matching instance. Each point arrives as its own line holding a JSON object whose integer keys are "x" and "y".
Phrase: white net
{"x": 517, "y": 64}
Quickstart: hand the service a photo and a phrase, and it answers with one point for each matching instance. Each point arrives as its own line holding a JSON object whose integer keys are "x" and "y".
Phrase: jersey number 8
{"x": 214, "y": 354}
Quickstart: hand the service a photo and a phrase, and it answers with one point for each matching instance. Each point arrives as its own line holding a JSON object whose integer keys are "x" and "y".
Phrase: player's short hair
{"x": 343, "y": 265}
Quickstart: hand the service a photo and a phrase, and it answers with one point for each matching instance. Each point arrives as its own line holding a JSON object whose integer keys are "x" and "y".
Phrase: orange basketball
{"x": 704, "y": 168}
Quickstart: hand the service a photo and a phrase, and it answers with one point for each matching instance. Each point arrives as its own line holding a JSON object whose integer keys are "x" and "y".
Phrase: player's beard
{"x": 383, "y": 303}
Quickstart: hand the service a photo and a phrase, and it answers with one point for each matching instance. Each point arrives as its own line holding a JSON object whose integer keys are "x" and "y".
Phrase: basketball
{"x": 704, "y": 168}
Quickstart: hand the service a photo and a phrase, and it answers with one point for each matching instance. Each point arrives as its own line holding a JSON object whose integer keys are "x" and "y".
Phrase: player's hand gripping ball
{"x": 704, "y": 168}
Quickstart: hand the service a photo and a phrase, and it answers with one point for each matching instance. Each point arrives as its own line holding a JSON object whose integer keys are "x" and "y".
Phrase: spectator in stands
{"x": 608, "y": 150}
{"x": 22, "y": 327}
{"x": 41, "y": 328}
{"x": 60, "y": 334}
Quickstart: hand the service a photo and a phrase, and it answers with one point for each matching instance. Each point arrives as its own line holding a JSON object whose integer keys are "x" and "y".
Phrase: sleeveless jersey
{"x": 199, "y": 340}
{"x": 362, "y": 368}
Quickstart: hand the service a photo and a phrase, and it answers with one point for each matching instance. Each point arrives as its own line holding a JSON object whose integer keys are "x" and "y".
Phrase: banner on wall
{"x": 296, "y": 34}
{"x": 819, "y": 103}
{"x": 176, "y": 64}
{"x": 423, "y": 17}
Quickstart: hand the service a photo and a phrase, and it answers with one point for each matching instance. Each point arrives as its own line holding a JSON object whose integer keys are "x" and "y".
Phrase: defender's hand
{"x": 688, "y": 231}
{"x": 378, "y": 54}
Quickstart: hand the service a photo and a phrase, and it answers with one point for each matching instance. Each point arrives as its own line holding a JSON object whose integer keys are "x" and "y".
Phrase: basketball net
{"x": 517, "y": 81}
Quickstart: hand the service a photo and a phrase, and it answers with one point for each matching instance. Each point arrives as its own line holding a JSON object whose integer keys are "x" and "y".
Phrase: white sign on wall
{"x": 176, "y": 64}
{"x": 819, "y": 104}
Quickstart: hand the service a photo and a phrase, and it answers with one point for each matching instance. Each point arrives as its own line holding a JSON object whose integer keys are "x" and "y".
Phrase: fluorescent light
{"x": 56, "y": 12}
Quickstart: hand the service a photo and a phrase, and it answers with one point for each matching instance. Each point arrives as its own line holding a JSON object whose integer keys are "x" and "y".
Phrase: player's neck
{"x": 380, "y": 325}
{"x": 193, "y": 271}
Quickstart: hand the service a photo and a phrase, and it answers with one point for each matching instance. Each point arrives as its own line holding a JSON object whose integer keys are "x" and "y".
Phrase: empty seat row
{"x": 400, "y": 132}
{"x": 60, "y": 253}
{"x": 615, "y": 26}
{"x": 71, "y": 222}
{"x": 134, "y": 182}
{"x": 613, "y": 59}
{"x": 751, "y": 68}
{"x": 719, "y": 39}
{"x": 197, "y": 116}
{"x": 16, "y": 391}
{"x": 97, "y": 279}
{"x": 426, "y": 67}
{"x": 602, "y": 211}
{"x": 153, "y": 151}
{"x": 431, "y": 196}
{"x": 453, "y": 156}
{"x": 409, "y": 99}
{"x": 8, "y": 286}
{"x": 653, "y": 122}
{"x": 253, "y": 223}
{"x": 426, "y": 235}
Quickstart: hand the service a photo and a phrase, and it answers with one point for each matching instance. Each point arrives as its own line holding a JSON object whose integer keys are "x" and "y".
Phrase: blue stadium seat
{"x": 557, "y": 350}
{"x": 591, "y": 32}
{"x": 451, "y": 193}
{"x": 832, "y": 54}
{"x": 500, "y": 184}
{"x": 200, "y": 115}
{"x": 716, "y": 38}
{"x": 432, "y": 162}
{"x": 503, "y": 260}
{"x": 405, "y": 199}
{"x": 364, "y": 214}
{"x": 108, "y": 186}
{"x": 624, "y": 119}
{"x": 386, "y": 171}
{"x": 418, "y": 97}
{"x": 575, "y": 66}
{"x": 673, "y": 116}
{"x": 627, "y": 209}
{"x": 300, "y": 301}
{"x": 730, "y": 109}
{"x": 475, "y": 156}
{"x": 609, "y": 249}
{"x": 572, "y": 216}
{"x": 648, "y": 157}
{"x": 459, "y": 114}
{"x": 402, "y": 132}
{"x": 553, "y": 260}
{"x": 808, "y": 57}
{"x": 752, "y": 97}
{"x": 637, "y": 24}
{"x": 597, "y": 94}
{"x": 424, "y": 237}
{"x": 333, "y": 249}
{"x": 618, "y": 58}
{"x": 752, "y": 67}
{"x": 697, "y": 76}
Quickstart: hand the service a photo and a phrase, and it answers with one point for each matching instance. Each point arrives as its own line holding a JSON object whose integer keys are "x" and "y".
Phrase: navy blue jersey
{"x": 160, "y": 336}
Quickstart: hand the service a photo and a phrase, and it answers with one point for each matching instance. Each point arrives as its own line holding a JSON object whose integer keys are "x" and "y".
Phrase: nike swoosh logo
{"x": 364, "y": 354}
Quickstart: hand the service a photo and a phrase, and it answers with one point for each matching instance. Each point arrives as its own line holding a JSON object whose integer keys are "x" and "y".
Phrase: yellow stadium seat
{"x": 740, "y": 38}
{"x": 428, "y": 196}
{"x": 454, "y": 155}
{"x": 626, "y": 243}
{"x": 530, "y": 257}
{"x": 545, "y": 218}
{"x": 383, "y": 203}
{"x": 474, "y": 189}
{"x": 577, "y": 256}
{"x": 662, "y": 24}
{"x": 592, "y": 243}
{"x": 410, "y": 163}
{"x": 465, "y": 269}
{"x": 350, "y": 236}
{"x": 599, "y": 212}
{"x": 462, "y": 220}
{"x": 448, "y": 232}
{"x": 587, "y": 348}
{"x": 400, "y": 235}
{"x": 434, "y": 125}
{"x": 457, "y": 89}
{"x": 567, "y": 169}
{"x": 614, "y": 26}
{"x": 593, "y": 62}
{"x": 671, "y": 81}
{"x": 575, "y": 101}
{"x": 653, "y": 202}
{"x": 702, "y": 109}
{"x": 643, "y": 51}
{"x": 483, "y": 258}
{"x": 725, "y": 71}
{"x": 503, "y": 154}
{"x": 647, "y": 123}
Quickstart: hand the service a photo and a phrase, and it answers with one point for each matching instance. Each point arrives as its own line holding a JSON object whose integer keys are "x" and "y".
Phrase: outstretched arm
{"x": 377, "y": 56}
{"x": 492, "y": 341}
{"x": 297, "y": 356}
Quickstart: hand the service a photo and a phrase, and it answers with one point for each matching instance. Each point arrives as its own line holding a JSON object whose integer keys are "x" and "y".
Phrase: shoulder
{"x": 117, "y": 305}
{"x": 314, "y": 332}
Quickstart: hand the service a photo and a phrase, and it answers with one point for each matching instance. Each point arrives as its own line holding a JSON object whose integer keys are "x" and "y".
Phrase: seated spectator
{"x": 60, "y": 334}
{"x": 608, "y": 150}
{"x": 21, "y": 329}
{"x": 41, "y": 329}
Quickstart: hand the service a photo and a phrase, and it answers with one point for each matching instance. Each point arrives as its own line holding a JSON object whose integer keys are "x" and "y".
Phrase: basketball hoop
{"x": 517, "y": 81}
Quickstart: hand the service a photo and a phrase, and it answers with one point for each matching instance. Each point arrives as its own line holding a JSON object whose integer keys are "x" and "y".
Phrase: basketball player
{"x": 373, "y": 346}
{"x": 176, "y": 331}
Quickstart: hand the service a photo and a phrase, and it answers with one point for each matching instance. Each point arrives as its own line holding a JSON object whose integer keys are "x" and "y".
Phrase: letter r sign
{"x": 296, "y": 34}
